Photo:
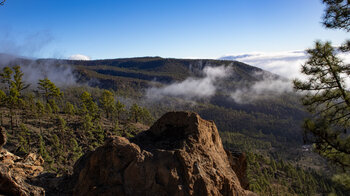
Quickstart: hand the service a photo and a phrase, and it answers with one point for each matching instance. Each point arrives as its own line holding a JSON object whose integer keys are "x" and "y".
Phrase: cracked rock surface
{"x": 181, "y": 154}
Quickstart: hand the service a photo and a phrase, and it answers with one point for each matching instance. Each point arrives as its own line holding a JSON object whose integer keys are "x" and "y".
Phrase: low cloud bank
{"x": 286, "y": 64}
{"x": 267, "y": 88}
{"x": 61, "y": 75}
{"x": 193, "y": 88}
{"x": 55, "y": 70}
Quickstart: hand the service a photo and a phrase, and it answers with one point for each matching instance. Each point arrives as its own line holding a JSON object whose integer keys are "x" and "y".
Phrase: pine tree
{"x": 24, "y": 138}
{"x": 56, "y": 147}
{"x": 107, "y": 102}
{"x": 140, "y": 114}
{"x": 329, "y": 102}
{"x": 337, "y": 14}
{"x": 88, "y": 125}
{"x": 48, "y": 89}
{"x": 76, "y": 149}
{"x": 88, "y": 105}
{"x": 48, "y": 109}
{"x": 135, "y": 113}
{"x": 30, "y": 103}
{"x": 13, "y": 101}
{"x": 6, "y": 77}
{"x": 119, "y": 109}
{"x": 42, "y": 150}
{"x": 146, "y": 116}
{"x": 14, "y": 85}
{"x": 54, "y": 106}
{"x": 69, "y": 108}
{"x": 18, "y": 80}
{"x": 327, "y": 96}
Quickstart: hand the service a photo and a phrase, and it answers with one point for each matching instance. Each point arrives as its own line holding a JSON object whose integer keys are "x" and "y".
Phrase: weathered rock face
{"x": 181, "y": 154}
{"x": 238, "y": 162}
{"x": 15, "y": 172}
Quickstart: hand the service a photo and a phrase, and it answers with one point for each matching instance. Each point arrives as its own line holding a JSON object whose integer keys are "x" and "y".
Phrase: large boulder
{"x": 181, "y": 154}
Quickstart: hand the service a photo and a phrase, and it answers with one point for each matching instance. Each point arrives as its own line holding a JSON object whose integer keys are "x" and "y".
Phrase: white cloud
{"x": 267, "y": 88}
{"x": 196, "y": 88}
{"x": 287, "y": 63}
{"x": 56, "y": 71}
{"x": 192, "y": 88}
{"x": 79, "y": 57}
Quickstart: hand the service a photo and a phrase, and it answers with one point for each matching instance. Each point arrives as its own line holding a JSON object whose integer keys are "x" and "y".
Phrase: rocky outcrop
{"x": 181, "y": 154}
{"x": 16, "y": 172}
{"x": 238, "y": 162}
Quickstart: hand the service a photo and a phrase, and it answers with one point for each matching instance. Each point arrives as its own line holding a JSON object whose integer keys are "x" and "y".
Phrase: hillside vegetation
{"x": 278, "y": 115}
{"x": 61, "y": 124}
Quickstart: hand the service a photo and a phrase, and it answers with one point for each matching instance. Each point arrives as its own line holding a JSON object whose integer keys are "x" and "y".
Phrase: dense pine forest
{"x": 63, "y": 123}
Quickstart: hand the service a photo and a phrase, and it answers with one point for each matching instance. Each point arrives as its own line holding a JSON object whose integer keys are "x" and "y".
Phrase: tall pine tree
{"x": 327, "y": 95}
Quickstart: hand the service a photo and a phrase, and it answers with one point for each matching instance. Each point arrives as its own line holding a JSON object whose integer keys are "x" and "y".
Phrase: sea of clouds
{"x": 286, "y": 64}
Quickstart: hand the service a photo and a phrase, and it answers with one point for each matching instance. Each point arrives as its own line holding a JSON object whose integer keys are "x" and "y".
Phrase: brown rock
{"x": 238, "y": 162}
{"x": 15, "y": 173}
{"x": 181, "y": 154}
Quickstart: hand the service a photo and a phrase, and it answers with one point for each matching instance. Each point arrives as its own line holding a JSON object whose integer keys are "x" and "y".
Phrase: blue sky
{"x": 167, "y": 28}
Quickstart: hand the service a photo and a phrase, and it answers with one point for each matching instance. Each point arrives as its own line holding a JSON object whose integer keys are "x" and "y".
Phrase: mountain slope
{"x": 265, "y": 120}
{"x": 274, "y": 117}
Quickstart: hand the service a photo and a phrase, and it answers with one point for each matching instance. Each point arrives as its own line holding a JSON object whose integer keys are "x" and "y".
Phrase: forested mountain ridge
{"x": 279, "y": 114}
{"x": 138, "y": 73}
{"x": 268, "y": 125}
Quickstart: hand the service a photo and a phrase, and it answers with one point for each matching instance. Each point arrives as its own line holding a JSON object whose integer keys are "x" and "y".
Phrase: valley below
{"x": 115, "y": 103}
